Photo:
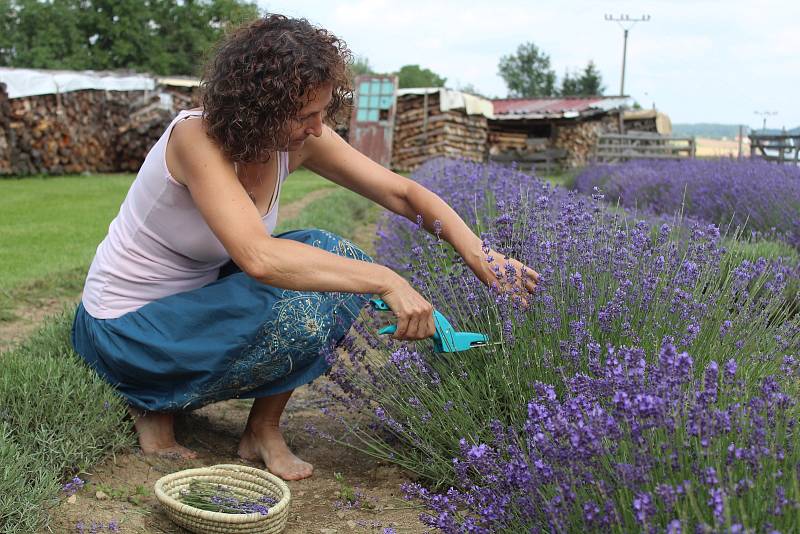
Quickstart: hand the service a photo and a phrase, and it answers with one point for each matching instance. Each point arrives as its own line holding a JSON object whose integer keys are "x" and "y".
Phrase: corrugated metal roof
{"x": 540, "y": 108}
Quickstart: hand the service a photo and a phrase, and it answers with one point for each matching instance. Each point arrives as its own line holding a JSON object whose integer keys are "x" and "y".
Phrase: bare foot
{"x": 157, "y": 435}
{"x": 267, "y": 444}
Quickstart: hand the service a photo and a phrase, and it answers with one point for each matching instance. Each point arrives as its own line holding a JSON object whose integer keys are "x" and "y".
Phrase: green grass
{"x": 57, "y": 418}
{"x": 52, "y": 225}
{"x": 300, "y": 183}
{"x": 50, "y": 229}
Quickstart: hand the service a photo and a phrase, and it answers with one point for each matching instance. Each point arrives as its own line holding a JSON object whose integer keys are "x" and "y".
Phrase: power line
{"x": 765, "y": 114}
{"x": 620, "y": 20}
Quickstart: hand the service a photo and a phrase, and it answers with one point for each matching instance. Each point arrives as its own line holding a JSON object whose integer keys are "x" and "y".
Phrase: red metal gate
{"x": 372, "y": 121}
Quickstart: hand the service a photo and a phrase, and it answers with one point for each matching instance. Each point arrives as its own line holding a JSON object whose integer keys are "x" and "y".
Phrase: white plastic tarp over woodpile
{"x": 450, "y": 99}
{"x": 30, "y": 82}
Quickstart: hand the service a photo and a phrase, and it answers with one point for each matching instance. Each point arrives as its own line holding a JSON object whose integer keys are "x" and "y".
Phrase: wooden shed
{"x": 547, "y": 133}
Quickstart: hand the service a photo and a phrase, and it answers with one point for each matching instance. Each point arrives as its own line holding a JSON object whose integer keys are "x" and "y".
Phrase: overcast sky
{"x": 698, "y": 61}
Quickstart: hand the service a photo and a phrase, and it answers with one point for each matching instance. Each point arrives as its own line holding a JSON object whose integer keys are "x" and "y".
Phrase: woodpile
{"x": 5, "y": 132}
{"x": 580, "y": 138}
{"x": 421, "y": 135}
{"x": 146, "y": 124}
{"x": 567, "y": 143}
{"x": 504, "y": 141}
{"x": 82, "y": 131}
{"x": 63, "y": 133}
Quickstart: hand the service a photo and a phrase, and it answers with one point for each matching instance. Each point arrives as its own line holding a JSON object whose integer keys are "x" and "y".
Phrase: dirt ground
{"x": 126, "y": 482}
{"x": 28, "y": 318}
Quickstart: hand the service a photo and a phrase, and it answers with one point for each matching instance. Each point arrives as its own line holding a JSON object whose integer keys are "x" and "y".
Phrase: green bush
{"x": 58, "y": 418}
{"x": 24, "y": 486}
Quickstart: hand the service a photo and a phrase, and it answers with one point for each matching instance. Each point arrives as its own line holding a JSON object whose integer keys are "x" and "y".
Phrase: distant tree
{"x": 414, "y": 76}
{"x": 527, "y": 73}
{"x": 361, "y": 66}
{"x": 588, "y": 83}
{"x": 570, "y": 85}
{"x": 158, "y": 36}
{"x": 41, "y": 34}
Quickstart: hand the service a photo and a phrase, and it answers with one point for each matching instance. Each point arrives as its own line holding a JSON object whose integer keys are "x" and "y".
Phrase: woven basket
{"x": 243, "y": 480}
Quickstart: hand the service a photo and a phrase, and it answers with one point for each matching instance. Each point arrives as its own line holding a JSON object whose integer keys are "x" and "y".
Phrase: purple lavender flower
{"x": 73, "y": 486}
{"x": 764, "y": 196}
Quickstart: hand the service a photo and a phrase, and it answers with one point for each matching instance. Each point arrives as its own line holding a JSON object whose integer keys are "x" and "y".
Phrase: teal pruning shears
{"x": 446, "y": 338}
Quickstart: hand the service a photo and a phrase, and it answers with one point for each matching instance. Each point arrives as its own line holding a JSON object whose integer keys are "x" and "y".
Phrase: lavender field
{"x": 649, "y": 385}
{"x": 759, "y": 196}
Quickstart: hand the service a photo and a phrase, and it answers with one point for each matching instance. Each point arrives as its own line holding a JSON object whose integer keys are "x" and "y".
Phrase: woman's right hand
{"x": 414, "y": 314}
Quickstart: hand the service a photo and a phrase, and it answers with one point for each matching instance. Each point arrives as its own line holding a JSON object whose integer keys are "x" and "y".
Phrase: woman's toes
{"x": 295, "y": 469}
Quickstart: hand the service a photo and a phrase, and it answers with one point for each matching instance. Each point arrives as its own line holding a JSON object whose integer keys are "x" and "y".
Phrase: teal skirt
{"x": 233, "y": 338}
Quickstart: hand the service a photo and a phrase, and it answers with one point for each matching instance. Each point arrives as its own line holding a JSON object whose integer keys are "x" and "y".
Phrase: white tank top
{"x": 159, "y": 244}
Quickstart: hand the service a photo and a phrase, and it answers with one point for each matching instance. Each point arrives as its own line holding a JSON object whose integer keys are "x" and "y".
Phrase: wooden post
{"x": 741, "y": 133}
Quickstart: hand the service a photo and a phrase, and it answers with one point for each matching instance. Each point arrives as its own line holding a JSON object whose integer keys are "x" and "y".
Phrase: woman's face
{"x": 309, "y": 119}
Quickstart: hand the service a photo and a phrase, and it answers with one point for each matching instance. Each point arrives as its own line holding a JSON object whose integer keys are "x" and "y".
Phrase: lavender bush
{"x": 634, "y": 447}
{"x": 763, "y": 196}
{"x": 616, "y": 297}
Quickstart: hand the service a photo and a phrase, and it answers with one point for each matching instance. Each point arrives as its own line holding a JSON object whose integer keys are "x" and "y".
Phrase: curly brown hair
{"x": 259, "y": 77}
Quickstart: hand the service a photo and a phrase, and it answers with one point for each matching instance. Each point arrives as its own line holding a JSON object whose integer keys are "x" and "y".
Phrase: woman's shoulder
{"x": 189, "y": 140}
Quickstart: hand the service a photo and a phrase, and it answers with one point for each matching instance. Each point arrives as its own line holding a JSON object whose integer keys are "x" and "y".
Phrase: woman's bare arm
{"x": 330, "y": 156}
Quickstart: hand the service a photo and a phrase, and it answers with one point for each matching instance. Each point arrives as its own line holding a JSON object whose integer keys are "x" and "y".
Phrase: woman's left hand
{"x": 524, "y": 281}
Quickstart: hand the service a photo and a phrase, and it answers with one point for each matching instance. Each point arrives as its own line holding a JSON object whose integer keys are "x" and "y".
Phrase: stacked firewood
{"x": 84, "y": 131}
{"x": 505, "y": 141}
{"x": 64, "y": 133}
{"x": 579, "y": 138}
{"x": 421, "y": 135}
{"x": 148, "y": 119}
{"x": 5, "y": 132}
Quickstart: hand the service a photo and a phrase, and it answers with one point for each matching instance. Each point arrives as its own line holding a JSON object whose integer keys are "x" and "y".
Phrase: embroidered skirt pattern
{"x": 235, "y": 337}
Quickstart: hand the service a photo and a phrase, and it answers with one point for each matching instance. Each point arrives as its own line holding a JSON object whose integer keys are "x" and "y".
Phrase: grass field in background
{"x": 49, "y": 225}
{"x": 53, "y": 225}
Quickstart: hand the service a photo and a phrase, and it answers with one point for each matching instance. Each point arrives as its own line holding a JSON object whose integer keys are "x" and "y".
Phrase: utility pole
{"x": 765, "y": 114}
{"x": 619, "y": 20}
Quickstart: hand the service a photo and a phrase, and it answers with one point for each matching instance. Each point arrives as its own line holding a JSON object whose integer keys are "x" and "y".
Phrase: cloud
{"x": 688, "y": 57}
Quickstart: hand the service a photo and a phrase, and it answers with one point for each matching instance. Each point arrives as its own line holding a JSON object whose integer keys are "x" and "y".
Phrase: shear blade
{"x": 483, "y": 343}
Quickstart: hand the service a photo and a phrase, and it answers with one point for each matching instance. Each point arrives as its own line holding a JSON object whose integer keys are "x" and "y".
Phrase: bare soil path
{"x": 29, "y": 316}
